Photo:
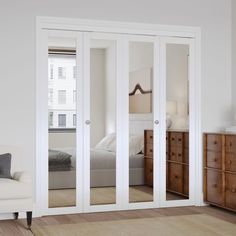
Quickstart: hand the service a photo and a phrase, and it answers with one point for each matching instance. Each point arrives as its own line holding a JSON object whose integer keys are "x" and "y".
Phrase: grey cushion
{"x": 5, "y": 165}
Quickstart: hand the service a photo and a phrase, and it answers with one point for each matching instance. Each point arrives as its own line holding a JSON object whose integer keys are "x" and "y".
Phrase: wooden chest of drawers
{"x": 148, "y": 156}
{"x": 177, "y": 159}
{"x": 220, "y": 170}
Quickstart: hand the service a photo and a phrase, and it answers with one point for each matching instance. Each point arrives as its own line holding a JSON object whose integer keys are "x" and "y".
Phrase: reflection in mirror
{"x": 177, "y": 114}
{"x": 103, "y": 122}
{"x": 140, "y": 122}
{"x": 62, "y": 122}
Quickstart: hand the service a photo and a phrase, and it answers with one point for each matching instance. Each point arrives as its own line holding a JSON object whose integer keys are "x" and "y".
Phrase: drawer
{"x": 214, "y": 159}
{"x": 214, "y": 187}
{"x": 176, "y": 139}
{"x": 148, "y": 149}
{"x": 230, "y": 162}
{"x": 214, "y": 142}
{"x": 176, "y": 154}
{"x": 186, "y": 180}
{"x": 230, "y": 191}
{"x": 149, "y": 171}
{"x": 230, "y": 143}
{"x": 149, "y": 136}
{"x": 186, "y": 140}
{"x": 175, "y": 178}
{"x": 186, "y": 156}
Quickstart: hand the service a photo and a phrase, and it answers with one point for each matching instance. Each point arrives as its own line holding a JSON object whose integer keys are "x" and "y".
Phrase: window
{"x": 61, "y": 72}
{"x": 62, "y": 120}
{"x": 61, "y": 96}
{"x": 51, "y": 71}
{"x": 74, "y": 119}
{"x": 74, "y": 96}
{"x": 50, "y": 95}
{"x": 50, "y": 119}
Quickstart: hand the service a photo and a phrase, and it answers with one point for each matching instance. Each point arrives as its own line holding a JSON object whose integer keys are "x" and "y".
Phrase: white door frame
{"x": 192, "y": 121}
{"x": 51, "y": 23}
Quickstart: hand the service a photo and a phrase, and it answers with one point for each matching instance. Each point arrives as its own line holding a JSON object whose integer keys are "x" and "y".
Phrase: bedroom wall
{"x": 234, "y": 60}
{"x": 177, "y": 83}
{"x": 17, "y": 57}
{"x": 97, "y": 95}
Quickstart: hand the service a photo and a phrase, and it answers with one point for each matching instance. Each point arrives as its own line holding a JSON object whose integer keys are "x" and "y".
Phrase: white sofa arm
{"x": 23, "y": 177}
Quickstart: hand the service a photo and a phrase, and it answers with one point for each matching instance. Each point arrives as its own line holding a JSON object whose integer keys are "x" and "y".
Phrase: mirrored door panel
{"x": 141, "y": 161}
{"x": 62, "y": 122}
{"x": 103, "y": 122}
{"x": 177, "y": 121}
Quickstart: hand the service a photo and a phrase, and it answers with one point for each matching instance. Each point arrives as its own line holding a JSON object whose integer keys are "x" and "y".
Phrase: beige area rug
{"x": 187, "y": 225}
{"x": 106, "y": 195}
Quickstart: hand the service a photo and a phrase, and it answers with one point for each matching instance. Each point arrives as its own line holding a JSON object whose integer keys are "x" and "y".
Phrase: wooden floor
{"x": 12, "y": 227}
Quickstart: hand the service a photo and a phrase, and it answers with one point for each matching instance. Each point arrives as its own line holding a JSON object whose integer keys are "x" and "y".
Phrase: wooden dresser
{"x": 177, "y": 157}
{"x": 220, "y": 170}
{"x": 148, "y": 156}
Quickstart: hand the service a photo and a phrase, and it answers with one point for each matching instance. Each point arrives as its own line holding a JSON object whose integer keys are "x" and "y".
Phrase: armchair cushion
{"x": 17, "y": 188}
{"x": 5, "y": 165}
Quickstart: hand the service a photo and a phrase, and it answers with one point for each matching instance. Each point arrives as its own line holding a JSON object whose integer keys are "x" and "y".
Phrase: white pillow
{"x": 105, "y": 143}
{"x": 136, "y": 144}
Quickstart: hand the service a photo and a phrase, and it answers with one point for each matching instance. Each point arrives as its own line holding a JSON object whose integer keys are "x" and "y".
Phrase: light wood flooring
{"x": 13, "y": 227}
{"x": 104, "y": 195}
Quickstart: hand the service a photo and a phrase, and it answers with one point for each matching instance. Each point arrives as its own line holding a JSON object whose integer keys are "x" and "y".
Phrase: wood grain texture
{"x": 220, "y": 170}
{"x": 18, "y": 227}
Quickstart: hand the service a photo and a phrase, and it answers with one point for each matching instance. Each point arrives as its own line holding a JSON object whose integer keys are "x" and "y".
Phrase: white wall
{"x": 234, "y": 59}
{"x": 177, "y": 83}
{"x": 97, "y": 95}
{"x": 17, "y": 57}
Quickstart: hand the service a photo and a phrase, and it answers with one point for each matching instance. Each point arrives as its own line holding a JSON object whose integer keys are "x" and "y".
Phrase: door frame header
{"x": 119, "y": 27}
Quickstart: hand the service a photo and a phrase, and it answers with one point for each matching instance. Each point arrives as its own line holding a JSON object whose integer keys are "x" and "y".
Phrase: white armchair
{"x": 16, "y": 193}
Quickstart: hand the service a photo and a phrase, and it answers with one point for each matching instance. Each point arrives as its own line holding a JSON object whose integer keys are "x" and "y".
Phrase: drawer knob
{"x": 173, "y": 153}
{"x": 230, "y": 144}
{"x": 176, "y": 176}
{"x": 215, "y": 160}
{"x": 151, "y": 136}
{"x": 173, "y": 139}
{"x": 214, "y": 185}
{"x": 151, "y": 171}
{"x": 215, "y": 142}
{"x": 150, "y": 150}
{"x": 179, "y": 155}
{"x": 179, "y": 139}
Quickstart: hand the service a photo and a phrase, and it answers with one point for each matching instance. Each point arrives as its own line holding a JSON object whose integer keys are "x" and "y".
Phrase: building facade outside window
{"x": 61, "y": 96}
{"x": 61, "y": 72}
{"x": 62, "y": 120}
{"x": 74, "y": 119}
{"x": 61, "y": 92}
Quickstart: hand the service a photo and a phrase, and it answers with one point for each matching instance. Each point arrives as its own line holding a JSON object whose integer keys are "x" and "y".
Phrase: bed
{"x": 62, "y": 167}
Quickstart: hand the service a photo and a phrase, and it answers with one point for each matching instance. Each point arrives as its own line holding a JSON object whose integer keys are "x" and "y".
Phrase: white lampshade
{"x": 171, "y": 107}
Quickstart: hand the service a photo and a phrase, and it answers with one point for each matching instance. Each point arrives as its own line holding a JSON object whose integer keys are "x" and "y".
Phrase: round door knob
{"x": 156, "y": 122}
{"x": 87, "y": 122}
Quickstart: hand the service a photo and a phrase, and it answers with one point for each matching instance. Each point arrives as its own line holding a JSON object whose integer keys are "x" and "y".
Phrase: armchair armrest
{"x": 23, "y": 177}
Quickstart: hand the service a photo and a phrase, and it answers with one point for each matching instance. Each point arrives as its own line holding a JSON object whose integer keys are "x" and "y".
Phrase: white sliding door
{"x": 178, "y": 119}
{"x": 118, "y": 122}
{"x": 102, "y": 137}
{"x": 63, "y": 140}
